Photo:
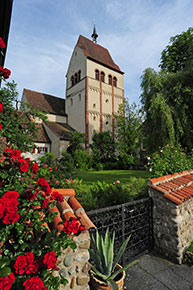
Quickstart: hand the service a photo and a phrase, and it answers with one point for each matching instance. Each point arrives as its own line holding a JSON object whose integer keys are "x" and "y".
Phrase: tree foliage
{"x": 103, "y": 147}
{"x": 167, "y": 96}
{"x": 76, "y": 142}
{"x": 128, "y": 128}
{"x": 17, "y": 126}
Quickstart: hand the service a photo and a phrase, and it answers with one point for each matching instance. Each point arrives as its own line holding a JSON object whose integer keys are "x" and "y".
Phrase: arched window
{"x": 76, "y": 78}
{"x": 97, "y": 74}
{"x": 72, "y": 80}
{"x": 110, "y": 80}
{"x": 102, "y": 77}
{"x": 79, "y": 75}
{"x": 114, "y": 81}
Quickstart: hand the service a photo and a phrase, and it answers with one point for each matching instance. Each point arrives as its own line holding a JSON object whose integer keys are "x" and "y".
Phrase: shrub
{"x": 188, "y": 255}
{"x": 168, "y": 160}
{"x": 126, "y": 161}
{"x": 29, "y": 250}
{"x": 82, "y": 159}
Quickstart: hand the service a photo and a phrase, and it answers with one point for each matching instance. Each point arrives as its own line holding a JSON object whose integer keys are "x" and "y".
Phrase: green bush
{"x": 126, "y": 161}
{"x": 82, "y": 159}
{"x": 188, "y": 255}
{"x": 168, "y": 160}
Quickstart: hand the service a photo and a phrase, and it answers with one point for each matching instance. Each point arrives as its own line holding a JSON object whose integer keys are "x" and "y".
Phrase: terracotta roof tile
{"x": 177, "y": 187}
{"x": 96, "y": 52}
{"x": 70, "y": 208}
{"x": 45, "y": 102}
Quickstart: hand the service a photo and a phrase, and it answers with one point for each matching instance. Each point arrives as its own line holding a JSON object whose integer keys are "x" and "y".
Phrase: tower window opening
{"x": 79, "y": 75}
{"x": 102, "y": 77}
{"x": 110, "y": 80}
{"x": 72, "y": 80}
{"x": 97, "y": 74}
{"x": 114, "y": 81}
{"x": 79, "y": 97}
{"x": 76, "y": 78}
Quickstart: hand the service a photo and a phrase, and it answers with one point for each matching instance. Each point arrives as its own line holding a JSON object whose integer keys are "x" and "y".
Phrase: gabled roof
{"x": 45, "y": 102}
{"x": 177, "y": 187}
{"x": 41, "y": 135}
{"x": 97, "y": 53}
{"x": 63, "y": 131}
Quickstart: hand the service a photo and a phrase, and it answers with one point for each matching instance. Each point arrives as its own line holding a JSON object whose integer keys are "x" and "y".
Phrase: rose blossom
{"x": 1, "y": 108}
{"x": 57, "y": 196}
{"x": 7, "y": 281}
{"x": 11, "y": 194}
{"x": 2, "y": 43}
{"x": 6, "y": 73}
{"x": 50, "y": 260}
{"x": 20, "y": 264}
{"x": 35, "y": 168}
{"x": 0, "y": 126}
{"x": 10, "y": 218}
{"x": 24, "y": 165}
{"x": 34, "y": 283}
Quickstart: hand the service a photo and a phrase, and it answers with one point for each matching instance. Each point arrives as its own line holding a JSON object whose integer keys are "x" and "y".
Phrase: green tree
{"x": 17, "y": 126}
{"x": 167, "y": 96}
{"x": 128, "y": 128}
{"x": 103, "y": 147}
{"x": 76, "y": 142}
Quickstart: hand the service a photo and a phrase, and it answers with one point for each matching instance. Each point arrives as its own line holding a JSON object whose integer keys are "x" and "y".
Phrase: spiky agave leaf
{"x": 98, "y": 273}
{"x": 120, "y": 252}
{"x": 112, "y": 285}
{"x": 122, "y": 269}
{"x": 110, "y": 255}
{"x": 95, "y": 255}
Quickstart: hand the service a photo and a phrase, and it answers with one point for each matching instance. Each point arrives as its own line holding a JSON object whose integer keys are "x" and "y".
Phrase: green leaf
{"x": 5, "y": 271}
{"x": 123, "y": 269}
{"x": 4, "y": 262}
{"x": 121, "y": 251}
{"x": 112, "y": 285}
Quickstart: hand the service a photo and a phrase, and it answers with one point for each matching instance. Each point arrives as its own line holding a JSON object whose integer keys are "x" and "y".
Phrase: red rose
{"x": 2, "y": 208}
{"x": 11, "y": 205}
{"x": 10, "y": 218}
{"x": 8, "y": 151}
{"x": 42, "y": 182}
{"x": 24, "y": 165}
{"x": 1, "y": 108}
{"x": 35, "y": 168}
{"x": 6, "y": 73}
{"x": 0, "y": 126}
{"x": 50, "y": 260}
{"x": 44, "y": 203}
{"x": 34, "y": 283}
{"x": 31, "y": 268}
{"x": 20, "y": 264}
{"x": 6, "y": 282}
{"x": 11, "y": 194}
{"x": 29, "y": 195}
{"x": 29, "y": 258}
{"x": 2, "y": 43}
{"x": 57, "y": 196}
{"x": 82, "y": 228}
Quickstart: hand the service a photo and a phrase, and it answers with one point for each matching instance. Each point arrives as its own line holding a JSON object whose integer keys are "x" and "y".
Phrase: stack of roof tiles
{"x": 177, "y": 187}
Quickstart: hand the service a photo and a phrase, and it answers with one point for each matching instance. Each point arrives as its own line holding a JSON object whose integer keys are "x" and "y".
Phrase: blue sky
{"x": 43, "y": 34}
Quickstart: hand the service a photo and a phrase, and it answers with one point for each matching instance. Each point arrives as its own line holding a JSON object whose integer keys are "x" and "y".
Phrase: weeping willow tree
{"x": 167, "y": 96}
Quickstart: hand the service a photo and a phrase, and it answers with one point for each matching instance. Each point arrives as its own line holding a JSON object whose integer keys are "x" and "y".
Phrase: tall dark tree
{"x": 167, "y": 96}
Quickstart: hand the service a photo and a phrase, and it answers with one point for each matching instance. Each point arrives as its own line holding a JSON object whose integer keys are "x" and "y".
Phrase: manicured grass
{"x": 110, "y": 176}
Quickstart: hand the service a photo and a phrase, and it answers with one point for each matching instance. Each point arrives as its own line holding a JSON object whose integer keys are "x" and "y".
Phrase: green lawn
{"x": 110, "y": 176}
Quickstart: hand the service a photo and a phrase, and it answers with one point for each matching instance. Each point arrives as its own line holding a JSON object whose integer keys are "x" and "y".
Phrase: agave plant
{"x": 102, "y": 256}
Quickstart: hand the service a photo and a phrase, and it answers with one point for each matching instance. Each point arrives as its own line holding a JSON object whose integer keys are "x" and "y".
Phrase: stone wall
{"x": 172, "y": 225}
{"x": 73, "y": 264}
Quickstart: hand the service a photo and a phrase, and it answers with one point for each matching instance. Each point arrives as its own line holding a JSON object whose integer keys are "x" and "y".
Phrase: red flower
{"x": 35, "y": 168}
{"x": 2, "y": 208}
{"x": 34, "y": 283}
{"x": 31, "y": 268}
{"x": 29, "y": 195}
{"x": 57, "y": 196}
{"x": 0, "y": 126}
{"x": 2, "y": 43}
{"x": 6, "y": 73}
{"x": 8, "y": 151}
{"x": 42, "y": 182}
{"x": 11, "y": 205}
{"x": 6, "y": 282}
{"x": 44, "y": 203}
{"x": 50, "y": 260}
{"x": 1, "y": 108}
{"x": 11, "y": 194}
{"x": 73, "y": 226}
{"x": 10, "y": 218}
{"x": 82, "y": 228}
{"x": 29, "y": 258}
{"x": 24, "y": 165}
{"x": 20, "y": 264}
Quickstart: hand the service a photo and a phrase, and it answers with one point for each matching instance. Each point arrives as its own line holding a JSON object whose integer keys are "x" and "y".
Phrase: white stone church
{"x": 94, "y": 91}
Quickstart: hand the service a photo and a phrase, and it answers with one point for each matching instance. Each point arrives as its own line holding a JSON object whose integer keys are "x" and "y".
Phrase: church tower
{"x": 94, "y": 88}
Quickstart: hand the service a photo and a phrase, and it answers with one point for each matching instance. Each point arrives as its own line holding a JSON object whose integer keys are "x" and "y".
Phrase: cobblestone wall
{"x": 73, "y": 264}
{"x": 172, "y": 225}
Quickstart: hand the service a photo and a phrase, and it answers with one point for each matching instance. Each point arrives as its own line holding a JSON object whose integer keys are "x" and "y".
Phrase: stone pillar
{"x": 73, "y": 264}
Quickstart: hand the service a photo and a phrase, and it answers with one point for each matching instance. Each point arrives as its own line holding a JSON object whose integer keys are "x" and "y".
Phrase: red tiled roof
{"x": 45, "y": 102}
{"x": 96, "y": 52}
{"x": 70, "y": 207}
{"x": 177, "y": 187}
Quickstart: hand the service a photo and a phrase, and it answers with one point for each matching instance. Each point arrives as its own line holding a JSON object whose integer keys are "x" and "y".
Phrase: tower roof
{"x": 97, "y": 53}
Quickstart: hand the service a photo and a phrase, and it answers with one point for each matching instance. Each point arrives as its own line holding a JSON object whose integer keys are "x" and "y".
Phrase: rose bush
{"x": 28, "y": 248}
